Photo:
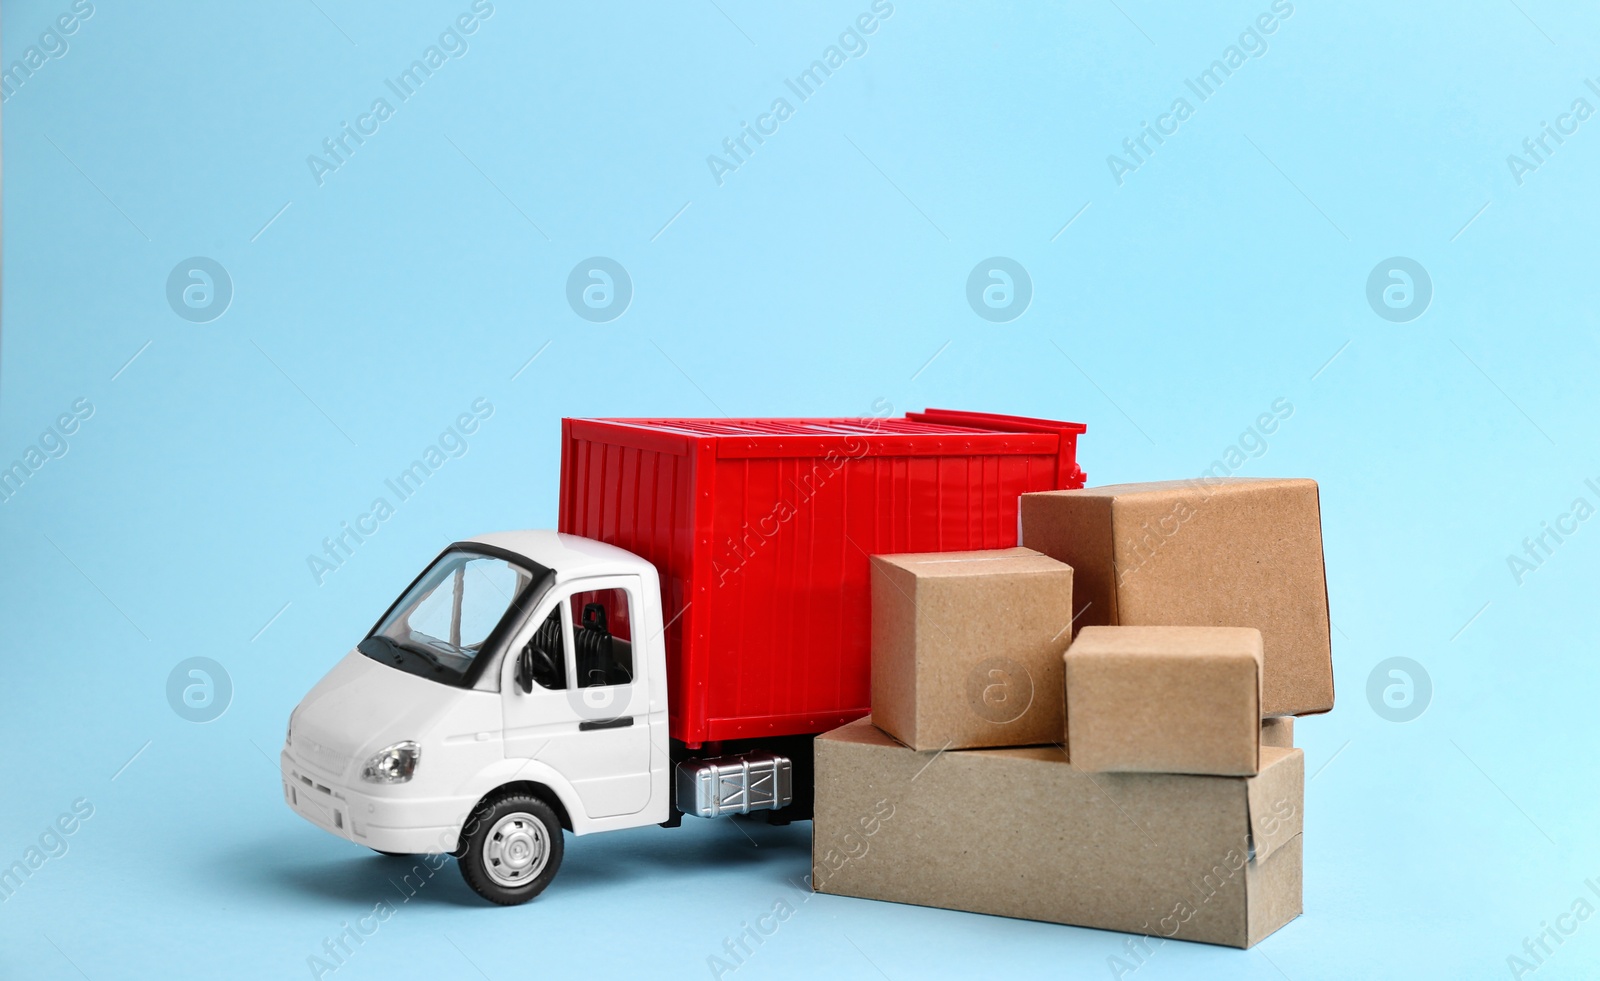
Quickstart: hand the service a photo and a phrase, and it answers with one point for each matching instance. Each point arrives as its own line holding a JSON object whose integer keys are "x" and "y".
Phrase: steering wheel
{"x": 541, "y": 660}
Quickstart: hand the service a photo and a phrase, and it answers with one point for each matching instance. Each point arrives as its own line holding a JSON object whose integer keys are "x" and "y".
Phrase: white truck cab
{"x": 517, "y": 688}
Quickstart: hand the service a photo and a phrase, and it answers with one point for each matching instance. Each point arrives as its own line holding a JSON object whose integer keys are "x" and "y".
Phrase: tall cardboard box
{"x": 1024, "y": 833}
{"x": 1165, "y": 700}
{"x": 1203, "y": 553}
{"x": 1278, "y": 732}
{"x": 966, "y": 647}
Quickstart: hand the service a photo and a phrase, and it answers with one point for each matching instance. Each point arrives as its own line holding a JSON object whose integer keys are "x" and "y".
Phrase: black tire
{"x": 511, "y": 848}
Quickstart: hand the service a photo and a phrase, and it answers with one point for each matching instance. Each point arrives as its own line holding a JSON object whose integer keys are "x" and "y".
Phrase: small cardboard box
{"x": 966, "y": 647}
{"x": 1024, "y": 833}
{"x": 1165, "y": 700}
{"x": 1278, "y": 732}
{"x": 1203, "y": 553}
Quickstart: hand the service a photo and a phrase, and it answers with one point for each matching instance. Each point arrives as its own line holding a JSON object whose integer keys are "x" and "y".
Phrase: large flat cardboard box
{"x": 1024, "y": 833}
{"x": 1165, "y": 700}
{"x": 966, "y": 647}
{"x": 1203, "y": 553}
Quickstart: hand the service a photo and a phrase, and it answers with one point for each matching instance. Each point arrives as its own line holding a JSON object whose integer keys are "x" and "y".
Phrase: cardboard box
{"x": 966, "y": 647}
{"x": 1023, "y": 833}
{"x": 1204, "y": 553}
{"x": 1278, "y": 732}
{"x": 1165, "y": 700}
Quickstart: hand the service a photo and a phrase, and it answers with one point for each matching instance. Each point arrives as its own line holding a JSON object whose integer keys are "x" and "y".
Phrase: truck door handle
{"x": 618, "y": 723}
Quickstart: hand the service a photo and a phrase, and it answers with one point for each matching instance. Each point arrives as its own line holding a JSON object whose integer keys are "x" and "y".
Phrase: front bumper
{"x": 404, "y": 825}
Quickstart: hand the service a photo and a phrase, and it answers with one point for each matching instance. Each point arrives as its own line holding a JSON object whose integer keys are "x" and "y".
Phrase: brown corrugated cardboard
{"x": 1024, "y": 833}
{"x": 1165, "y": 700}
{"x": 1204, "y": 553}
{"x": 966, "y": 647}
{"x": 1278, "y": 732}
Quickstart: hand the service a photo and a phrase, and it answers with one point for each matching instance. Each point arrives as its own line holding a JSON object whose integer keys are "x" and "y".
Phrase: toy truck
{"x": 701, "y": 613}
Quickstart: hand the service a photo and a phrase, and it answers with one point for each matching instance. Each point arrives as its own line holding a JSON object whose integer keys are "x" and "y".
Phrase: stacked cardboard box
{"x": 966, "y": 647}
{"x": 1221, "y": 553}
{"x": 1165, "y": 700}
{"x": 1096, "y": 729}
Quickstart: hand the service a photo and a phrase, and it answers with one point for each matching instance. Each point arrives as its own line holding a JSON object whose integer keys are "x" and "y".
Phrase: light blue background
{"x": 1228, "y": 271}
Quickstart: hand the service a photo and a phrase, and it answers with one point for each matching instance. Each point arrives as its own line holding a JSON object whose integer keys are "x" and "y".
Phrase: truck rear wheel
{"x": 511, "y": 849}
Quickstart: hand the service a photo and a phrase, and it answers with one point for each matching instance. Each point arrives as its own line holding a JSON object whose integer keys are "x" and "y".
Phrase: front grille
{"x": 311, "y": 784}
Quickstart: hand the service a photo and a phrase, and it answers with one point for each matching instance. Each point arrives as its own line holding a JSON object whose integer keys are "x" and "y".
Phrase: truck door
{"x": 588, "y": 712}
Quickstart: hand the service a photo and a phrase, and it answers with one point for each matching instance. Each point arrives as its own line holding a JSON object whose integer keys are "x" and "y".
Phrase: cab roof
{"x": 570, "y": 556}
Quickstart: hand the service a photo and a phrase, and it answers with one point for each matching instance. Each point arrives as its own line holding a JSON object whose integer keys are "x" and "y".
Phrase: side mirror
{"x": 525, "y": 669}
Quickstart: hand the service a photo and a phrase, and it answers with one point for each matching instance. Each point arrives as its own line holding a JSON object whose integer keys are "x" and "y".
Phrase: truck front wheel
{"x": 511, "y": 849}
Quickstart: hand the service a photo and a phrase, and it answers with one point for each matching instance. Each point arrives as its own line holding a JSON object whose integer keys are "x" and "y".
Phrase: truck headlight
{"x": 393, "y": 764}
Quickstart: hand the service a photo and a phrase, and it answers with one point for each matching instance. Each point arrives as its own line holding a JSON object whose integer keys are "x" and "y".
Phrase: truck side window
{"x": 602, "y": 632}
{"x": 549, "y": 653}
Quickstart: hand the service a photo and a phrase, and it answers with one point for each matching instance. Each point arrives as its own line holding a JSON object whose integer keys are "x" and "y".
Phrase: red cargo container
{"x": 761, "y": 528}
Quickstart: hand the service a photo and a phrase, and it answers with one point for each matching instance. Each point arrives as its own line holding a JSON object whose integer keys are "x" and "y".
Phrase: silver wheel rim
{"x": 516, "y": 850}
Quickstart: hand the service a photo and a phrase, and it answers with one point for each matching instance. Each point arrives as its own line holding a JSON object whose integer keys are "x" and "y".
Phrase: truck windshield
{"x": 450, "y": 616}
